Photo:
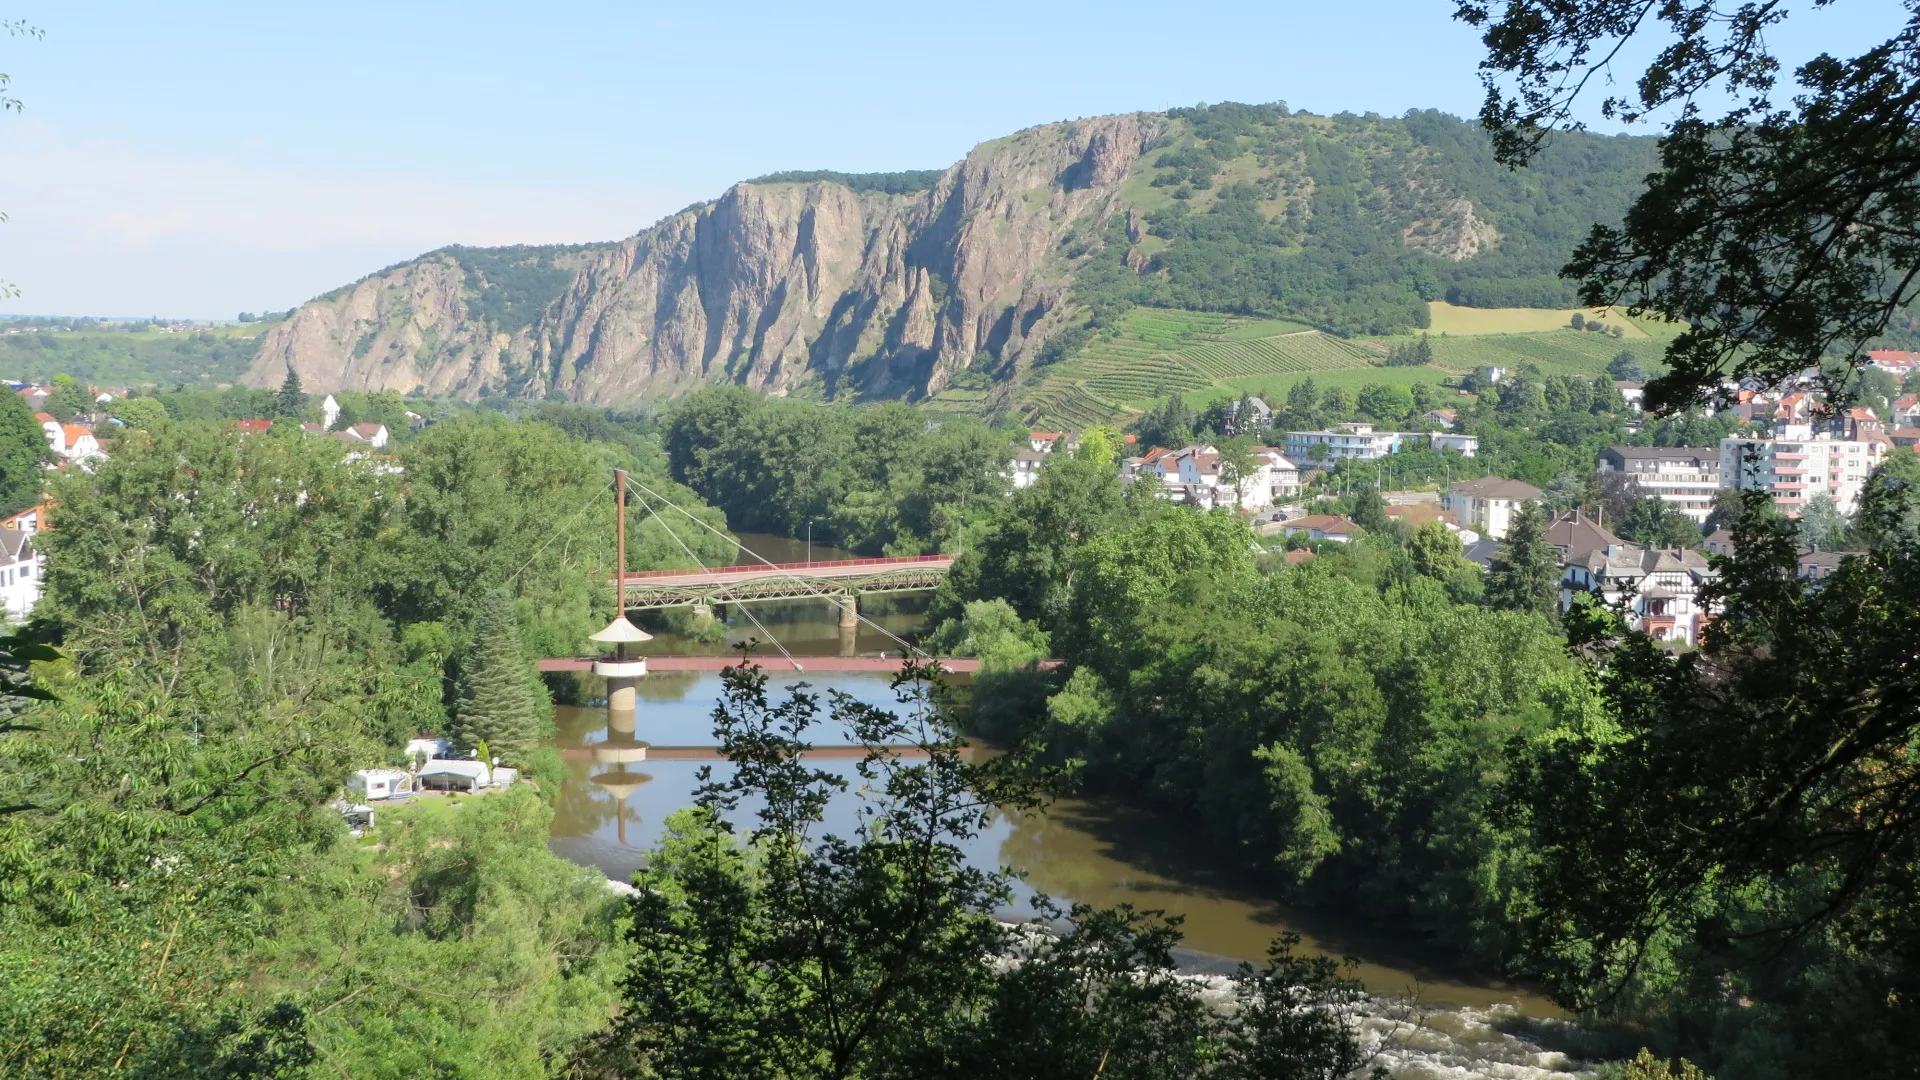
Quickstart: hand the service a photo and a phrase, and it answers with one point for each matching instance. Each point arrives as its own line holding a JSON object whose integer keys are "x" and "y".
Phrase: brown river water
{"x": 1101, "y": 852}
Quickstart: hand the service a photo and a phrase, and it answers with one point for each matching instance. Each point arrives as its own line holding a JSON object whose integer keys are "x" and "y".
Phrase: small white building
{"x": 1464, "y": 445}
{"x": 329, "y": 413}
{"x": 448, "y": 774}
{"x": 1343, "y": 442}
{"x": 21, "y": 568}
{"x": 426, "y": 748}
{"x": 1025, "y": 468}
{"x": 1487, "y": 505}
{"x": 371, "y": 784}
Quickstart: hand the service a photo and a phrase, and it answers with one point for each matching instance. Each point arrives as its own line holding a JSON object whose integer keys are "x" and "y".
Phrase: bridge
{"x": 840, "y": 580}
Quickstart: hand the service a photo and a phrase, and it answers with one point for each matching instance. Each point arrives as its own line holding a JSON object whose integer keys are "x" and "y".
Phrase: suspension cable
{"x": 814, "y": 590}
{"x": 651, "y": 512}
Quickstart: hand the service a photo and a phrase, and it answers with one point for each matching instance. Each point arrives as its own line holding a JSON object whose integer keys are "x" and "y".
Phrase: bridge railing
{"x": 818, "y": 564}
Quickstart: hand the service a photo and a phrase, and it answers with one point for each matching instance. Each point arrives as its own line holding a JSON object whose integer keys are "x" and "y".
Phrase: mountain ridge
{"x": 889, "y": 285}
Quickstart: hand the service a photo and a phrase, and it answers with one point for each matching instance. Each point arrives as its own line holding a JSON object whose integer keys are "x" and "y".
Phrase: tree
{"x": 1822, "y": 525}
{"x": 1238, "y": 468}
{"x": 1169, "y": 425}
{"x": 1777, "y": 233}
{"x": 1650, "y": 521}
{"x": 1525, "y": 573}
{"x": 1578, "y": 322}
{"x": 1337, "y": 403}
{"x": 1370, "y": 511}
{"x": 1627, "y": 367}
{"x": 291, "y": 402}
{"x": 1743, "y": 814}
{"x": 795, "y": 953}
{"x": 498, "y": 703}
{"x": 140, "y": 413}
{"x": 23, "y": 449}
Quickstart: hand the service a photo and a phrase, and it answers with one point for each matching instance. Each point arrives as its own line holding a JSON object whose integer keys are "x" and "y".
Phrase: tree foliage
{"x": 1776, "y": 232}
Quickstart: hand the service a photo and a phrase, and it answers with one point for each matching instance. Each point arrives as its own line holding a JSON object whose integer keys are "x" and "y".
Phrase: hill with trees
{"x": 901, "y": 285}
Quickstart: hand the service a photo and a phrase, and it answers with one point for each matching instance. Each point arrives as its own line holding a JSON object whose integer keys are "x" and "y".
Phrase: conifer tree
{"x": 291, "y": 402}
{"x": 498, "y": 703}
{"x": 1525, "y": 575}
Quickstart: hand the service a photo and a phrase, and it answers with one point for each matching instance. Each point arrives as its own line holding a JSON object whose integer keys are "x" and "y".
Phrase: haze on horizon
{"x": 212, "y": 157}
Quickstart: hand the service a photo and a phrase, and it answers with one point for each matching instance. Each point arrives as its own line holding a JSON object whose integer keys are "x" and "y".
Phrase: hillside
{"x": 117, "y": 358}
{"x": 1027, "y": 252}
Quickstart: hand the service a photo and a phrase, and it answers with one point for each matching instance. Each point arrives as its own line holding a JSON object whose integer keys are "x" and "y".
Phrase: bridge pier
{"x": 849, "y": 606}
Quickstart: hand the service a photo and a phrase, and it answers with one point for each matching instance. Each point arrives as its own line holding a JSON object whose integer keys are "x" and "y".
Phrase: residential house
{"x": 1487, "y": 505}
{"x": 29, "y": 521}
{"x": 1322, "y": 527}
{"x": 1573, "y": 536}
{"x": 1905, "y": 410}
{"x": 1907, "y": 438}
{"x": 370, "y": 435}
{"x": 1683, "y": 477}
{"x": 1658, "y": 588}
{"x": 1464, "y": 445}
{"x": 252, "y": 427}
{"x": 1898, "y": 363}
{"x": 1025, "y": 468}
{"x": 1262, "y": 415}
{"x": 69, "y": 441}
{"x": 35, "y": 396}
{"x": 1043, "y": 442}
{"x": 1282, "y": 475}
{"x": 1343, "y": 442}
{"x": 1796, "y": 465}
{"x": 329, "y": 413}
{"x": 1445, "y": 418}
{"x": 21, "y": 571}
{"x": 1633, "y": 392}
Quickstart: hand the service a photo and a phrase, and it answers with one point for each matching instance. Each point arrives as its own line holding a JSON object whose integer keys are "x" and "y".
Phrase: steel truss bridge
{"x": 836, "y": 579}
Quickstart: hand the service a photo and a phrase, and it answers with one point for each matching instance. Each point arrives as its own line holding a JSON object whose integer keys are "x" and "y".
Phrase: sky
{"x": 200, "y": 158}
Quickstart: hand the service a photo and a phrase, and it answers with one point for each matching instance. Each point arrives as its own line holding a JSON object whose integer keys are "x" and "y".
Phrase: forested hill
{"x": 889, "y": 285}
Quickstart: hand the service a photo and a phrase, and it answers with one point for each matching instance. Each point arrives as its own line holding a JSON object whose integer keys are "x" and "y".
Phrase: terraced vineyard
{"x": 1155, "y": 352}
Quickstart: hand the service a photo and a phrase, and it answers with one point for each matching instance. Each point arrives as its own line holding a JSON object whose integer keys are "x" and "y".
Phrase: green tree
{"x": 1839, "y": 258}
{"x": 23, "y": 450}
{"x": 1653, "y": 522}
{"x": 498, "y": 704}
{"x": 1370, "y": 511}
{"x": 69, "y": 398}
{"x": 1303, "y": 402}
{"x": 1238, "y": 470}
{"x": 1337, "y": 403}
{"x": 139, "y": 413}
{"x": 1822, "y": 524}
{"x": 1525, "y": 574}
{"x": 290, "y": 403}
{"x": 800, "y": 954}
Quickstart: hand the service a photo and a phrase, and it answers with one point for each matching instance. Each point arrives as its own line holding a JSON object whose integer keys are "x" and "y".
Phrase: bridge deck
{"x": 827, "y": 570}
{"x": 952, "y": 665}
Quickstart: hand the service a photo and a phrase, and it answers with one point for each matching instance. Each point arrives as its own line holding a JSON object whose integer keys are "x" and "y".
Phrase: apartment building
{"x": 1343, "y": 442}
{"x": 1684, "y": 477}
{"x": 1795, "y": 466}
{"x": 1487, "y": 505}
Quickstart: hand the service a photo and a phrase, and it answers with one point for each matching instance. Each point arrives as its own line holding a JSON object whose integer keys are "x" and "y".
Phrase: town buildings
{"x": 1797, "y": 465}
{"x": 1656, "y": 589}
{"x": 1343, "y": 442}
{"x": 1487, "y": 505}
{"x": 1684, "y": 477}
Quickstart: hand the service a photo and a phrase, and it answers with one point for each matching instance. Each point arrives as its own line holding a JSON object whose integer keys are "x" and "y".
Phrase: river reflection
{"x": 611, "y": 812}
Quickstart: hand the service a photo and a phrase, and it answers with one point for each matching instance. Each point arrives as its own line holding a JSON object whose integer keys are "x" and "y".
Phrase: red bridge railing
{"x": 825, "y": 564}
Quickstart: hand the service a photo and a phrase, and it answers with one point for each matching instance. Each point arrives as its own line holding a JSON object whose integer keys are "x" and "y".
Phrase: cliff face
{"x": 769, "y": 285}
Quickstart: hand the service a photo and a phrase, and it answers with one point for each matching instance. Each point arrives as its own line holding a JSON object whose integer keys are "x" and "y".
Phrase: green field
{"x": 1447, "y": 319}
{"x": 1202, "y": 356}
{"x": 117, "y": 358}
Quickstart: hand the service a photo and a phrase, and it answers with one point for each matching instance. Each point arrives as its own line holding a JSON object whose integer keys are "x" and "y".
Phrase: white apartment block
{"x": 1684, "y": 477}
{"x": 1795, "y": 466}
{"x": 1344, "y": 442}
{"x": 1487, "y": 505}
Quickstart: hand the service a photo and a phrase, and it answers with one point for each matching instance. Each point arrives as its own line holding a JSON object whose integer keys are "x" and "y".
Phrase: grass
{"x": 1456, "y": 321}
{"x": 1203, "y": 356}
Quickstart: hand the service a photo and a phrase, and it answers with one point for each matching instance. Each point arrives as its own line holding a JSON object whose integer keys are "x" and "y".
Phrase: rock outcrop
{"x": 769, "y": 285}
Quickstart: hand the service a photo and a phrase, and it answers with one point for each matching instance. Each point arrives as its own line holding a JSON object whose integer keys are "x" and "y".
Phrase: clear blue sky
{"x": 197, "y": 158}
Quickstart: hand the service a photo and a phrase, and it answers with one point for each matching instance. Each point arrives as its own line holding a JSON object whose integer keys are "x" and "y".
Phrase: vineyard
{"x": 1155, "y": 352}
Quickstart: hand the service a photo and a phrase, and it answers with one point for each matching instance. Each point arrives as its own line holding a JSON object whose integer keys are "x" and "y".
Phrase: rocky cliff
{"x": 894, "y": 285}
{"x": 768, "y": 285}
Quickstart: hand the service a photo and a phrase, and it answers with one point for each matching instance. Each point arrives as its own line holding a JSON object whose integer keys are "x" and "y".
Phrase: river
{"x": 1102, "y": 852}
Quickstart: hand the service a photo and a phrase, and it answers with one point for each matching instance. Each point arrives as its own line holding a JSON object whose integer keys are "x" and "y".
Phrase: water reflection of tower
{"x": 621, "y": 750}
